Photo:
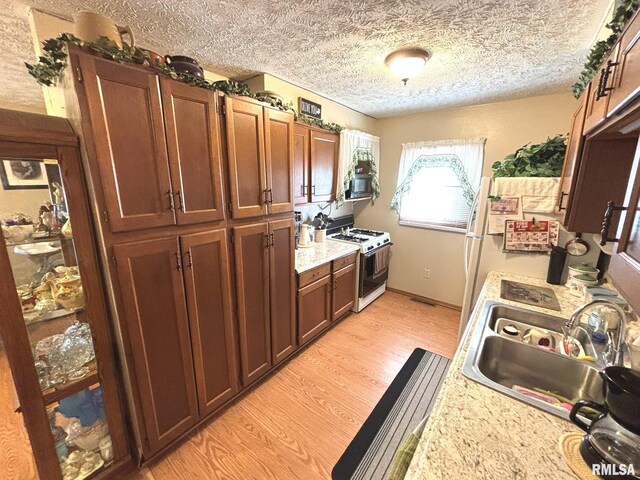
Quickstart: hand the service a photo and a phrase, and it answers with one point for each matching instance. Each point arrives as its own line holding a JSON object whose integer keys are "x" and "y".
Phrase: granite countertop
{"x": 320, "y": 253}
{"x": 476, "y": 432}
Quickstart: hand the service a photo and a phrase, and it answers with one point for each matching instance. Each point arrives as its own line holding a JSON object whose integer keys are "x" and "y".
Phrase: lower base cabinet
{"x": 177, "y": 311}
{"x": 265, "y": 286}
{"x": 325, "y": 294}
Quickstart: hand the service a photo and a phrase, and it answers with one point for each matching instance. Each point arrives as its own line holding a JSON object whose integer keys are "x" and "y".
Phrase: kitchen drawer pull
{"x": 606, "y": 223}
{"x": 562, "y": 195}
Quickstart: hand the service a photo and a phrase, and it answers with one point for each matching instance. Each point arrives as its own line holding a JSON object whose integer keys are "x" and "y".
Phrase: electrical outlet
{"x": 427, "y": 273}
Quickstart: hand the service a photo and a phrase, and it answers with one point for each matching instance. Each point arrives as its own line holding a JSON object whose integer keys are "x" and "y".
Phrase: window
{"x": 437, "y": 182}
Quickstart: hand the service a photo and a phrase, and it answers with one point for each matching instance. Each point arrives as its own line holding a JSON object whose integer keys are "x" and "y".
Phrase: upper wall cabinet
{"x": 315, "y": 164}
{"x": 194, "y": 152}
{"x": 260, "y": 155}
{"x": 626, "y": 79}
{"x": 158, "y": 155}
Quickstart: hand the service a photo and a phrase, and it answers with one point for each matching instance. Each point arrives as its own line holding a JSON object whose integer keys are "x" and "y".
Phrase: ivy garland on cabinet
{"x": 51, "y": 64}
{"x": 602, "y": 48}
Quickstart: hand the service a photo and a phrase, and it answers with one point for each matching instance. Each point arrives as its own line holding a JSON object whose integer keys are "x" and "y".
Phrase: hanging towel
{"x": 381, "y": 262}
{"x": 539, "y": 194}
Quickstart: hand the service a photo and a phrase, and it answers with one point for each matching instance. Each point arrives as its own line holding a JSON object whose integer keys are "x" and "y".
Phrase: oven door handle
{"x": 373, "y": 252}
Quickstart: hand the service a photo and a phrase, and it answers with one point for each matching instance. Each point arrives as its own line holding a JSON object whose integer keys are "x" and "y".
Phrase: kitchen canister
{"x": 90, "y": 26}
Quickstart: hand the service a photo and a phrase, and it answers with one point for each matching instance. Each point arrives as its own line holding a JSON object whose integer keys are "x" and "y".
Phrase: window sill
{"x": 441, "y": 228}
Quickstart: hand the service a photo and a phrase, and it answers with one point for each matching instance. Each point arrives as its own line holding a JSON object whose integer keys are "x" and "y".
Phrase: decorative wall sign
{"x": 530, "y": 235}
{"x": 307, "y": 107}
{"x": 17, "y": 174}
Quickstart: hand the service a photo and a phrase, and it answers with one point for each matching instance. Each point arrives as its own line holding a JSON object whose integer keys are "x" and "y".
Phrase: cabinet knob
{"x": 562, "y": 195}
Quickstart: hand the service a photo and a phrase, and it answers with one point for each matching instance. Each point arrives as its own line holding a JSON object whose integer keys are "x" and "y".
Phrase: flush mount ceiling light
{"x": 407, "y": 63}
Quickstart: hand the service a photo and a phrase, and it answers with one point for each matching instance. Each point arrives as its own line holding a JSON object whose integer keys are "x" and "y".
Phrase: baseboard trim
{"x": 430, "y": 300}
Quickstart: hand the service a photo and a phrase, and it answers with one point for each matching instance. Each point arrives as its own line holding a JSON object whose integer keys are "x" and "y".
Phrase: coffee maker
{"x": 297, "y": 216}
{"x": 612, "y": 442}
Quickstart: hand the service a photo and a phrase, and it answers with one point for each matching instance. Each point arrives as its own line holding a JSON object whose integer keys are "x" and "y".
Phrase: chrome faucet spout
{"x": 613, "y": 352}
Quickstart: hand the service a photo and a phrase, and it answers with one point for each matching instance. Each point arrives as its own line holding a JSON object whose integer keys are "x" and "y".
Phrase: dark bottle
{"x": 557, "y": 260}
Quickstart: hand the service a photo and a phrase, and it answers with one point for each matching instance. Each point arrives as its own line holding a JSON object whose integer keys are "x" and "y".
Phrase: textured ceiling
{"x": 482, "y": 50}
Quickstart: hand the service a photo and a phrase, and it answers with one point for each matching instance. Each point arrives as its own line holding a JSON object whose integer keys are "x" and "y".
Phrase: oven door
{"x": 369, "y": 279}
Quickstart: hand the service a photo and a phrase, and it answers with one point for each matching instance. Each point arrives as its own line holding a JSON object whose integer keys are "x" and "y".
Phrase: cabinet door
{"x": 252, "y": 291}
{"x": 624, "y": 268}
{"x": 282, "y": 284}
{"x": 206, "y": 273}
{"x": 598, "y": 102}
{"x": 194, "y": 151}
{"x": 129, "y": 137}
{"x": 626, "y": 83}
{"x": 155, "y": 314}
{"x": 344, "y": 291}
{"x": 591, "y": 194}
{"x": 245, "y": 152}
{"x": 314, "y": 309}
{"x": 278, "y": 141}
{"x": 324, "y": 162}
{"x": 300, "y": 165}
{"x": 575, "y": 143}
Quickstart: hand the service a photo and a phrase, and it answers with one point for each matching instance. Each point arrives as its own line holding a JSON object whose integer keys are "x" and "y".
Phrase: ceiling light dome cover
{"x": 407, "y": 63}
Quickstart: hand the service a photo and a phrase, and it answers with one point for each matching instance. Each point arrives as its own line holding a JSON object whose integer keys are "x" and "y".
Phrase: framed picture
{"x": 20, "y": 174}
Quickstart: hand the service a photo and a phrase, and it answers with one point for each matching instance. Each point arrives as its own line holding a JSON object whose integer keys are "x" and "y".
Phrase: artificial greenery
{"x": 602, "y": 48}
{"x": 539, "y": 160}
{"x": 51, "y": 64}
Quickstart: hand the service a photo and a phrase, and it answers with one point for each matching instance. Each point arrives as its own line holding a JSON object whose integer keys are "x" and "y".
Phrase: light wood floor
{"x": 299, "y": 421}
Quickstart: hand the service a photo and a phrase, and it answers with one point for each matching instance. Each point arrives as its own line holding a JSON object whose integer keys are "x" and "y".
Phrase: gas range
{"x": 367, "y": 239}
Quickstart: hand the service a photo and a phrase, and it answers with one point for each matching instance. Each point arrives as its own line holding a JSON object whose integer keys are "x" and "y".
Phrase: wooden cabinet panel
{"x": 194, "y": 152}
{"x": 282, "y": 289}
{"x": 624, "y": 268}
{"x": 607, "y": 158}
{"x": 156, "y": 320}
{"x": 598, "y": 102}
{"x": 575, "y": 143}
{"x": 342, "y": 262}
{"x": 324, "y": 157}
{"x": 314, "y": 309}
{"x": 278, "y": 140}
{"x": 252, "y": 290}
{"x": 626, "y": 82}
{"x": 344, "y": 291}
{"x": 129, "y": 136}
{"x": 300, "y": 164}
{"x": 310, "y": 276}
{"x": 245, "y": 152}
{"x": 206, "y": 273}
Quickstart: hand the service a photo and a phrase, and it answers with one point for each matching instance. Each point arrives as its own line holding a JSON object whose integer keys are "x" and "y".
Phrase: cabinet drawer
{"x": 344, "y": 261}
{"x": 314, "y": 274}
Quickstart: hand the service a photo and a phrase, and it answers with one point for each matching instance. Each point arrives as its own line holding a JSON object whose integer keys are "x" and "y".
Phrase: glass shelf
{"x": 52, "y": 238}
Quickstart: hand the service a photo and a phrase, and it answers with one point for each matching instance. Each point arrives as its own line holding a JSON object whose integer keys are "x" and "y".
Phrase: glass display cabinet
{"x": 55, "y": 334}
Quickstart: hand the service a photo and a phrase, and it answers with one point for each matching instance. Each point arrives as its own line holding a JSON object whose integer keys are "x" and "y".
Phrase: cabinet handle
{"x": 603, "y": 89}
{"x": 606, "y": 223}
{"x": 271, "y": 196}
{"x": 189, "y": 259}
{"x": 178, "y": 261}
{"x": 562, "y": 195}
{"x": 273, "y": 239}
{"x": 172, "y": 205}
{"x": 180, "y": 200}
{"x": 313, "y": 189}
{"x": 304, "y": 190}
{"x": 268, "y": 240}
{"x": 335, "y": 285}
{"x": 266, "y": 195}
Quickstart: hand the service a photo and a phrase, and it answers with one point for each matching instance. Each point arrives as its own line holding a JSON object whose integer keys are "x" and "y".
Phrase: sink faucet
{"x": 613, "y": 353}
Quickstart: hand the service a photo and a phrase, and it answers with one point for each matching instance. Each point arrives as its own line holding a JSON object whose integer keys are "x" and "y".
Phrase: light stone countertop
{"x": 321, "y": 253}
{"x": 476, "y": 432}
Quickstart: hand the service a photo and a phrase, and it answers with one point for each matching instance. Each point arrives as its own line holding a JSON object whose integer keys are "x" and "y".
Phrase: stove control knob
{"x": 386, "y": 240}
{"x": 378, "y": 244}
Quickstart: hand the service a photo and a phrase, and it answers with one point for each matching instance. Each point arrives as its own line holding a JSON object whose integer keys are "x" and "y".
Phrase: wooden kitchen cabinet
{"x": 282, "y": 289}
{"x": 126, "y": 123}
{"x": 315, "y": 165}
{"x": 205, "y": 258}
{"x": 344, "y": 291}
{"x": 155, "y": 312}
{"x": 314, "y": 309}
{"x": 575, "y": 144}
{"x": 626, "y": 79}
{"x": 599, "y": 93}
{"x": 260, "y": 156}
{"x": 194, "y": 152}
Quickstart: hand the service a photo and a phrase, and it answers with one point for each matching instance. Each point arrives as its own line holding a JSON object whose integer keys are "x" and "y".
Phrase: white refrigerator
{"x": 484, "y": 253}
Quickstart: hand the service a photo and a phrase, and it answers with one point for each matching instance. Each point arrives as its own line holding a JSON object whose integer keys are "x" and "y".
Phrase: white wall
{"x": 506, "y": 126}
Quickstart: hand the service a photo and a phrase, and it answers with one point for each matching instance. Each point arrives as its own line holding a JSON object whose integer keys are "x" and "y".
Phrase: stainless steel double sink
{"x": 500, "y": 363}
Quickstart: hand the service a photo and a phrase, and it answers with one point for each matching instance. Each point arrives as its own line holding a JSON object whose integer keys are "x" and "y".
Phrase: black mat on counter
{"x": 408, "y": 400}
